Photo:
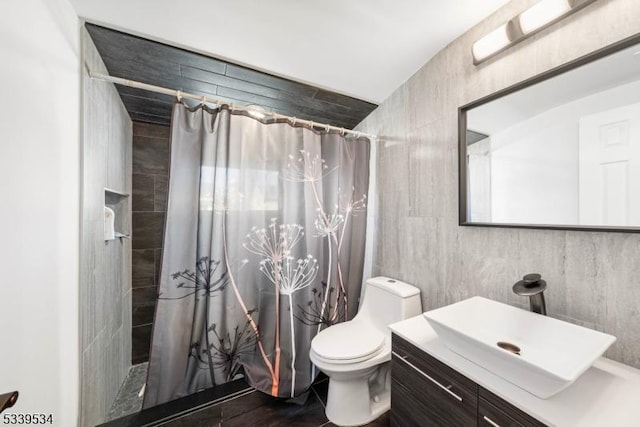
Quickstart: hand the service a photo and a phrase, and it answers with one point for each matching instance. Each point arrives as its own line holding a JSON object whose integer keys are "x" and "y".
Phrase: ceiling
{"x": 619, "y": 70}
{"x": 361, "y": 48}
{"x": 136, "y": 58}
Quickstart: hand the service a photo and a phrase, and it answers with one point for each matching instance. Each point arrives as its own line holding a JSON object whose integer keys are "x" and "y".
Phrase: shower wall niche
{"x": 117, "y": 215}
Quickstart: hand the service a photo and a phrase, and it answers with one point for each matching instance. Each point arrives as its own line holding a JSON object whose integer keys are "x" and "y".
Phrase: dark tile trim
{"x": 152, "y": 62}
{"x": 183, "y": 406}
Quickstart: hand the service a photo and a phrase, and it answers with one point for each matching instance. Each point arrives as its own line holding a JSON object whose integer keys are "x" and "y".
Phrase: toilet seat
{"x": 348, "y": 342}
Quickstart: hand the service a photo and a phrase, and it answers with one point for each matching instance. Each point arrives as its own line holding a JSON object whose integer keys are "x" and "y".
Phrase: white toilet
{"x": 355, "y": 355}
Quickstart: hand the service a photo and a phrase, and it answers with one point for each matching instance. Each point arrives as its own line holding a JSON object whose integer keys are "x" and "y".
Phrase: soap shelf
{"x": 109, "y": 191}
{"x": 114, "y": 194}
{"x": 118, "y": 203}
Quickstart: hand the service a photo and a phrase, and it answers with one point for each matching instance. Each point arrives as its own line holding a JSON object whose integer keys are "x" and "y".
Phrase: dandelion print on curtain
{"x": 263, "y": 248}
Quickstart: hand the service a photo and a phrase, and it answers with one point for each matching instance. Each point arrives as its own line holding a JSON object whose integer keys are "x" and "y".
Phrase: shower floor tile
{"x": 127, "y": 401}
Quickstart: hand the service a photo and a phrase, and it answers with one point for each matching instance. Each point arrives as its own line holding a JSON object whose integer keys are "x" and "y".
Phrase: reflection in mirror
{"x": 562, "y": 152}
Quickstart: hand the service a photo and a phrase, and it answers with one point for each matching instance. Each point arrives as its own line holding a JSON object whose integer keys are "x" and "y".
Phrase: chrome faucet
{"x": 533, "y": 286}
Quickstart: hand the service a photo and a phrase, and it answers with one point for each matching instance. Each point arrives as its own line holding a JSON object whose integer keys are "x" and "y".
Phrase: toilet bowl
{"x": 355, "y": 355}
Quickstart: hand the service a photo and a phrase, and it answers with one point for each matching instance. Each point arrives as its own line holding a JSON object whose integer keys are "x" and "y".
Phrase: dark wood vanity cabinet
{"x": 493, "y": 411}
{"x": 426, "y": 392}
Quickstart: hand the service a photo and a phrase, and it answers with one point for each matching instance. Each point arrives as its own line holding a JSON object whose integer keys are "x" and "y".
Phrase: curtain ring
{"x": 311, "y": 124}
{"x": 342, "y": 131}
{"x": 204, "y": 100}
{"x": 293, "y": 121}
{"x": 326, "y": 128}
{"x": 179, "y": 95}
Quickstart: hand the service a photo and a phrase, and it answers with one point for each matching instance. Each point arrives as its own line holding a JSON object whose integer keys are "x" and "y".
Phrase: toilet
{"x": 356, "y": 355}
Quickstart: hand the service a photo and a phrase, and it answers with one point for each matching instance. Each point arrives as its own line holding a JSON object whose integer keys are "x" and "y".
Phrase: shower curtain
{"x": 263, "y": 248}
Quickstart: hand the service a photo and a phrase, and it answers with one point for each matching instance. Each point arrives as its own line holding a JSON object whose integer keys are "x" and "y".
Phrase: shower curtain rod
{"x": 179, "y": 94}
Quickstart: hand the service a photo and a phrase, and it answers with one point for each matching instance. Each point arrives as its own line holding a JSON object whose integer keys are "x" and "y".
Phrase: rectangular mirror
{"x": 560, "y": 150}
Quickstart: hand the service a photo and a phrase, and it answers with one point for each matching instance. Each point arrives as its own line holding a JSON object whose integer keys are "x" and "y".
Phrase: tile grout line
{"x": 216, "y": 402}
{"x": 318, "y": 397}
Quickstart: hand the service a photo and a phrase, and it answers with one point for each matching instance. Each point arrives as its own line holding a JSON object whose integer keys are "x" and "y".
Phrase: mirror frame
{"x": 462, "y": 140}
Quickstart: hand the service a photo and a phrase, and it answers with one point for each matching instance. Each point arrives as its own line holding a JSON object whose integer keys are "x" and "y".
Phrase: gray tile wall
{"x": 150, "y": 186}
{"x": 594, "y": 278}
{"x": 105, "y": 282}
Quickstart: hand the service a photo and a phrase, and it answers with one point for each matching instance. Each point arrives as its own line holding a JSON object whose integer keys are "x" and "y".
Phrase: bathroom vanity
{"x": 432, "y": 385}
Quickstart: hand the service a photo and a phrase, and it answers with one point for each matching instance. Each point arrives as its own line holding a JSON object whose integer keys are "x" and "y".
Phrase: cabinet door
{"x": 426, "y": 392}
{"x": 495, "y": 412}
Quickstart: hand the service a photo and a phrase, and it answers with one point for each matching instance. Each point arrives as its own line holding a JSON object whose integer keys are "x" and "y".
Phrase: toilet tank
{"x": 387, "y": 301}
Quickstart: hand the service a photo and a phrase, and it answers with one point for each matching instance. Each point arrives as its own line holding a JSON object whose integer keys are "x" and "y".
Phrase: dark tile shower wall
{"x": 150, "y": 185}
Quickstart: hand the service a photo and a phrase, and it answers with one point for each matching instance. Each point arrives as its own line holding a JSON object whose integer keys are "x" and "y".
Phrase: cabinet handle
{"x": 490, "y": 421}
{"x": 445, "y": 388}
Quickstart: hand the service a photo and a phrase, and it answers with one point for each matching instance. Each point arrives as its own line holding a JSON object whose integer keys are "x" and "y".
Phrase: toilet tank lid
{"x": 402, "y": 289}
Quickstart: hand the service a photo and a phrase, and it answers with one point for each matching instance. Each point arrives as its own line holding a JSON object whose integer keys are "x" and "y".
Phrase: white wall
{"x": 39, "y": 193}
{"x": 534, "y": 164}
{"x": 534, "y": 171}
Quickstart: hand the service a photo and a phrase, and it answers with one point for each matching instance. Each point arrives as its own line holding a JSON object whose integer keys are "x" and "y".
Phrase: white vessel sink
{"x": 552, "y": 353}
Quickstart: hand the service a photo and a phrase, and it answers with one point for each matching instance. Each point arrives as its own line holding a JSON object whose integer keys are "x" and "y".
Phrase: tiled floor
{"x": 257, "y": 409}
{"x": 127, "y": 401}
{"x": 236, "y": 404}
